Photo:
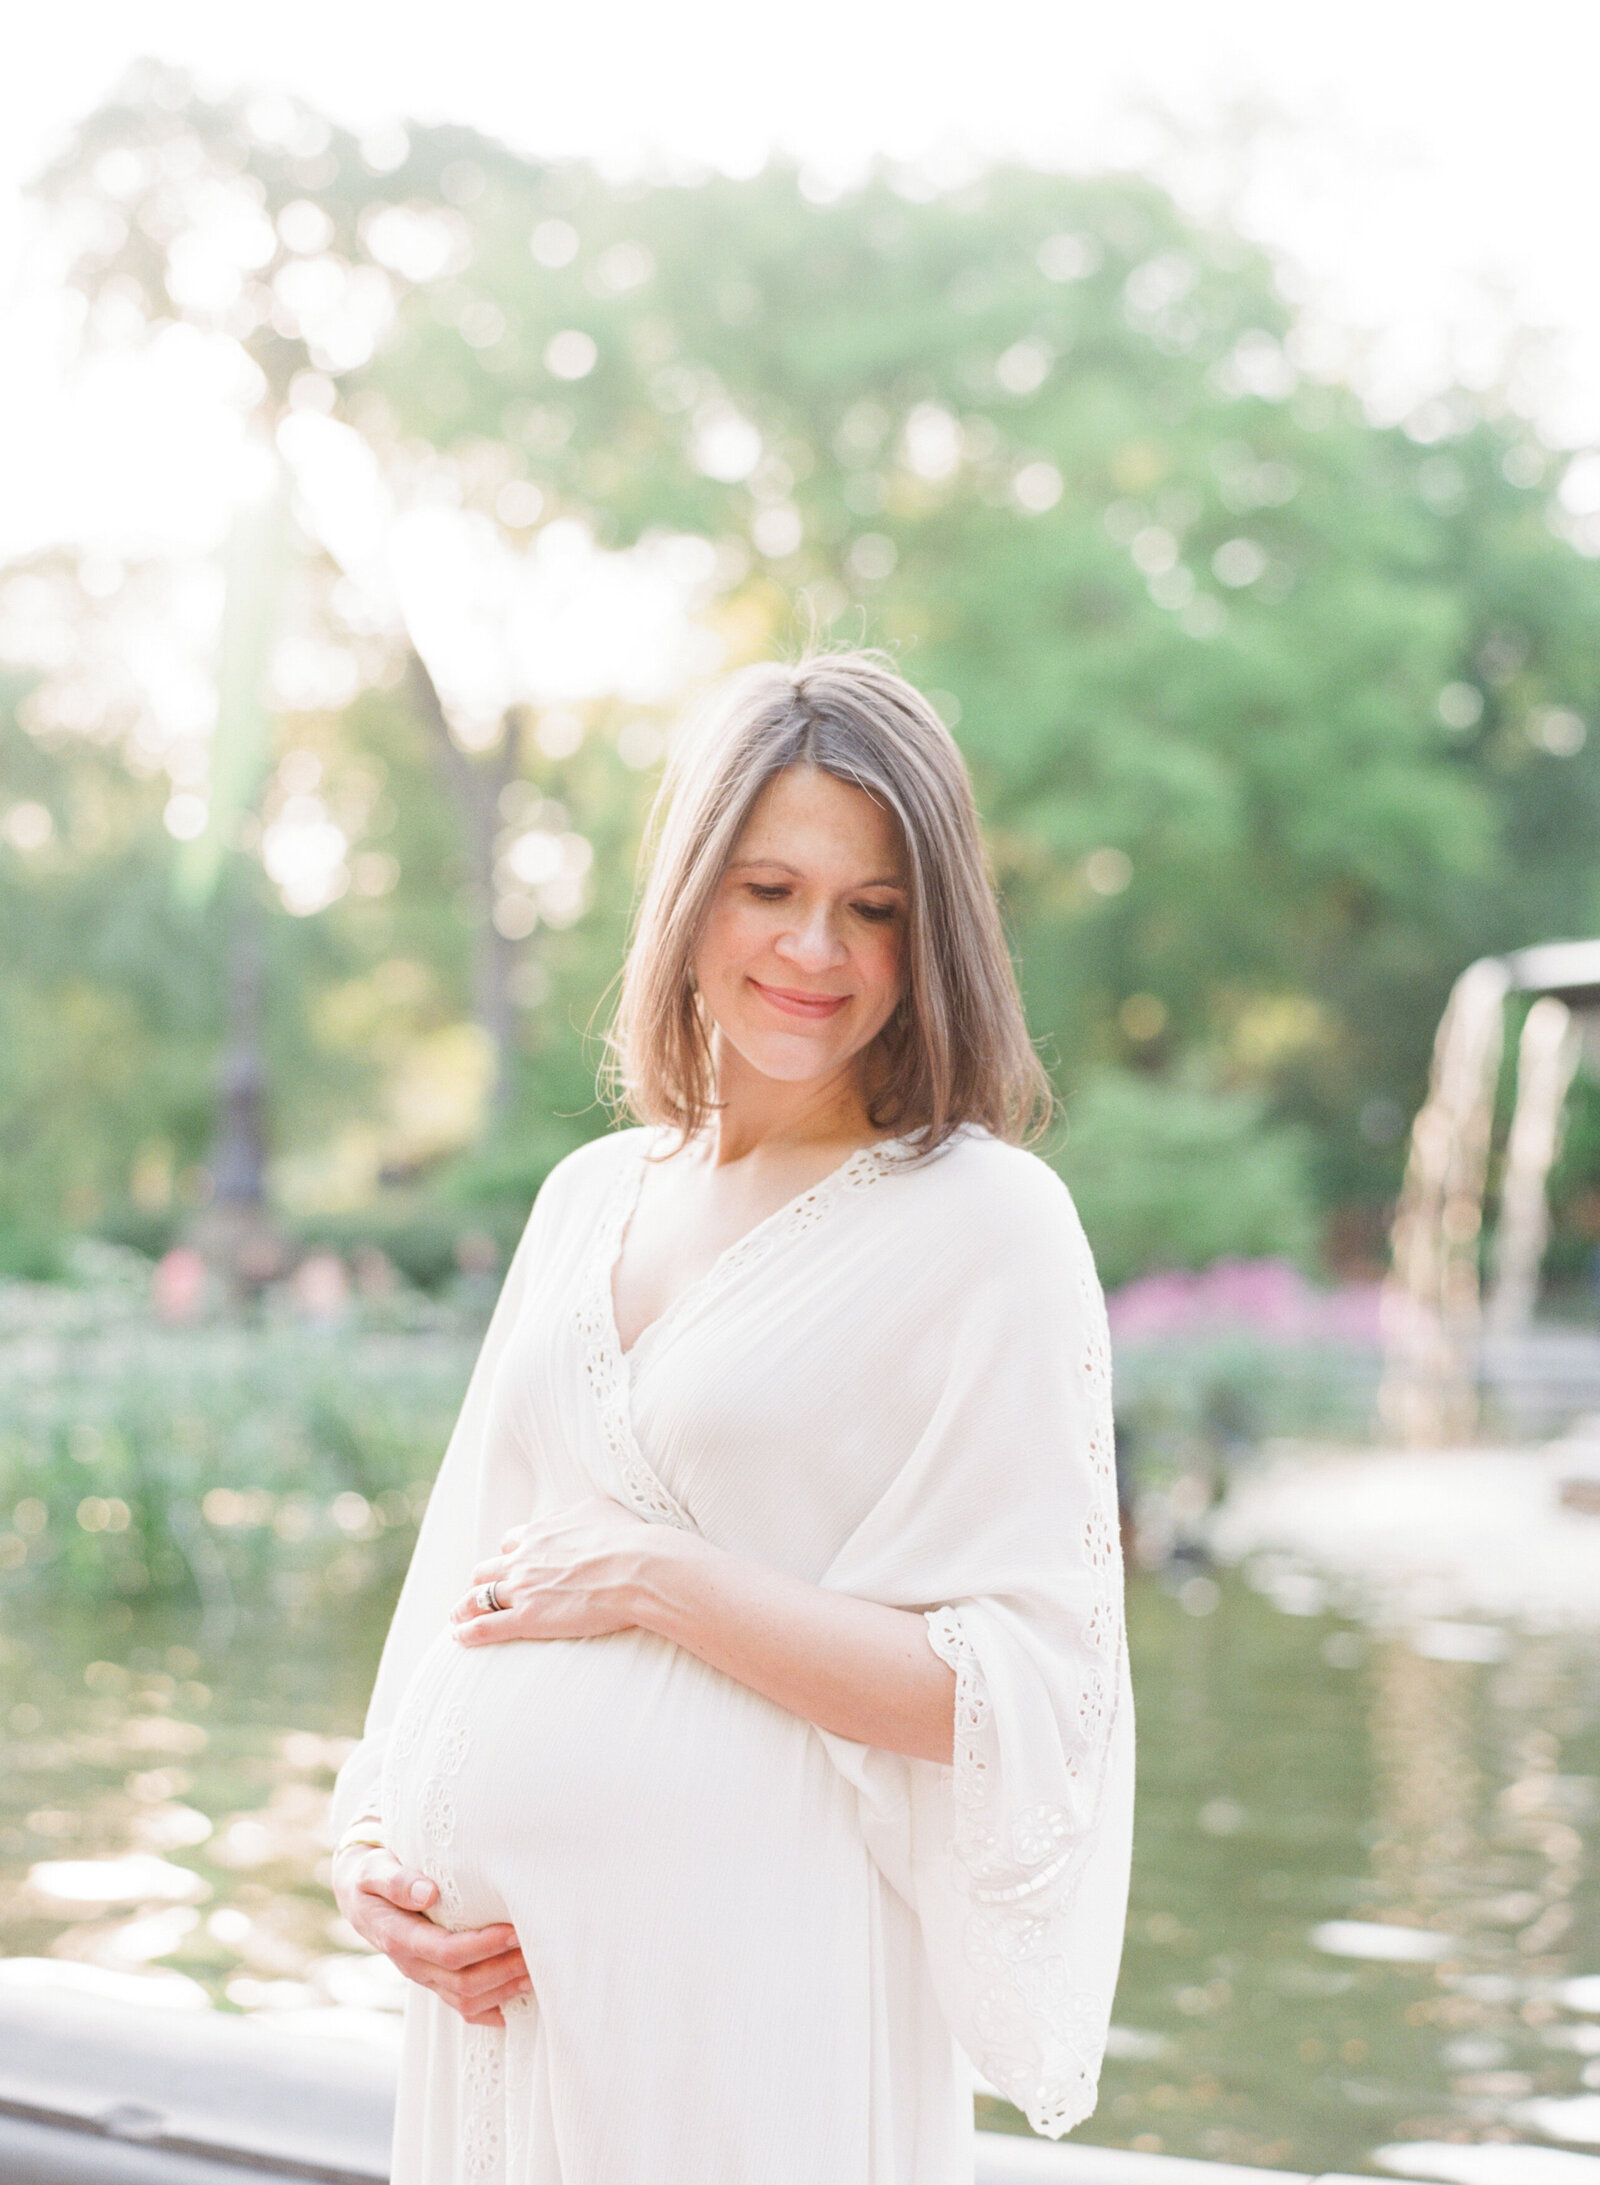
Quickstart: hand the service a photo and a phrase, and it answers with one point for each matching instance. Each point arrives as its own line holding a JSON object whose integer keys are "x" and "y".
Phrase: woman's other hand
{"x": 572, "y": 1575}
{"x": 475, "y": 1971}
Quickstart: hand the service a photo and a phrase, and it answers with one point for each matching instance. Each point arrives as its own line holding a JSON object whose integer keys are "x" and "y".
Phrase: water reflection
{"x": 1364, "y": 1887}
{"x": 1365, "y": 1901}
{"x": 157, "y": 1827}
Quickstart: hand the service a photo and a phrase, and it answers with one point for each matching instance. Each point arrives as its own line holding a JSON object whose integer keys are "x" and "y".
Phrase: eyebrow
{"x": 776, "y": 864}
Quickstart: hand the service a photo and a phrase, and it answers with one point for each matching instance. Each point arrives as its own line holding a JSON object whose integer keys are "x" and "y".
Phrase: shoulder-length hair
{"x": 956, "y": 1049}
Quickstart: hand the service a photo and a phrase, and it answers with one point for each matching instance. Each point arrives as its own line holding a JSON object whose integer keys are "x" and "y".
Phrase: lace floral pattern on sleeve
{"x": 1039, "y": 2033}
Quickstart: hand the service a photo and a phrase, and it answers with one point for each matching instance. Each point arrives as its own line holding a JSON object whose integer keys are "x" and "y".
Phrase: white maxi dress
{"x": 758, "y": 1951}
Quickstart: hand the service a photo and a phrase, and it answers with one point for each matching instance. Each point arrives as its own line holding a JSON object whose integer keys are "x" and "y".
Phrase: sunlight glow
{"x": 304, "y": 850}
{"x": 136, "y": 1878}
{"x": 571, "y": 354}
{"x": 932, "y": 442}
{"x": 727, "y": 447}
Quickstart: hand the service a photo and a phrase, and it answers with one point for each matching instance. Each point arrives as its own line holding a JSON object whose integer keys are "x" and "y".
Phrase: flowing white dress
{"x": 755, "y": 1946}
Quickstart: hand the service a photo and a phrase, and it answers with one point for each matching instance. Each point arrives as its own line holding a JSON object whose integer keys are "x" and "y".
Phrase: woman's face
{"x": 800, "y": 961}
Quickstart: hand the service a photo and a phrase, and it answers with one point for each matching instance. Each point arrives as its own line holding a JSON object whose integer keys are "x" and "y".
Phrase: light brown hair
{"x": 956, "y": 1049}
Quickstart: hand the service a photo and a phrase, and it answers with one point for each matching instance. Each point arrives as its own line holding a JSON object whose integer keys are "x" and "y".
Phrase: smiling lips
{"x": 814, "y": 1008}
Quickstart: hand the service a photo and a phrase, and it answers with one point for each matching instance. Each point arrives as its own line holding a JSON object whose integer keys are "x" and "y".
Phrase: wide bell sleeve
{"x": 1002, "y": 1528}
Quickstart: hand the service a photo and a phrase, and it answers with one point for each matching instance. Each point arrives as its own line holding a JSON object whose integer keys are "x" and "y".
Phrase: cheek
{"x": 881, "y": 961}
{"x": 730, "y": 937}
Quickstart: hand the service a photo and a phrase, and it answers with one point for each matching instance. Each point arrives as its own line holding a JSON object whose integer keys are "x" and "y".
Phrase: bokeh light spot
{"x": 519, "y": 504}
{"x": 560, "y": 732}
{"x": 27, "y": 826}
{"x": 872, "y": 557}
{"x": 778, "y": 532}
{"x": 1143, "y": 1017}
{"x": 1024, "y": 367}
{"x": 1108, "y": 871}
{"x": 305, "y": 227}
{"x": 932, "y": 442}
{"x": 727, "y": 447}
{"x": 571, "y": 354}
{"x": 554, "y": 244}
{"x": 515, "y": 916}
{"x": 1068, "y": 257}
{"x": 419, "y": 242}
{"x": 1154, "y": 549}
{"x": 640, "y": 744}
{"x": 1460, "y": 706}
{"x": 186, "y": 816}
{"x": 1238, "y": 562}
{"x": 625, "y": 266}
{"x": 1558, "y": 730}
{"x": 1037, "y": 487}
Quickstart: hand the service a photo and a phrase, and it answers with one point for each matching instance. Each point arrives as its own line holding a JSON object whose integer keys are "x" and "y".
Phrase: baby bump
{"x": 542, "y": 1770}
{"x": 419, "y": 1797}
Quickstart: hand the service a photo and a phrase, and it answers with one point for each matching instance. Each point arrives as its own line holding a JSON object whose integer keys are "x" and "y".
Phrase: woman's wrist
{"x": 669, "y": 1564}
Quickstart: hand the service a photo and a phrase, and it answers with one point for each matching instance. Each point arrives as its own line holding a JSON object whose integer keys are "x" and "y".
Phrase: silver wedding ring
{"x": 488, "y": 1599}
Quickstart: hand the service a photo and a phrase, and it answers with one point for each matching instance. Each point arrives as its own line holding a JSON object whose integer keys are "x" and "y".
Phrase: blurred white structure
{"x": 1435, "y": 1327}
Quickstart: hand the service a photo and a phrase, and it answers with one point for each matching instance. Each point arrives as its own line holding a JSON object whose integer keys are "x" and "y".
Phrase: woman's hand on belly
{"x": 475, "y": 1971}
{"x": 567, "y": 1576}
{"x": 859, "y": 1668}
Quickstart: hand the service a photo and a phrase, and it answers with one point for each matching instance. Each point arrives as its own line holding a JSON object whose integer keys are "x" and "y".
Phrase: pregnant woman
{"x": 753, "y": 1737}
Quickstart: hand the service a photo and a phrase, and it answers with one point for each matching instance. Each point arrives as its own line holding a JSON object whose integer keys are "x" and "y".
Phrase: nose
{"x": 811, "y": 943}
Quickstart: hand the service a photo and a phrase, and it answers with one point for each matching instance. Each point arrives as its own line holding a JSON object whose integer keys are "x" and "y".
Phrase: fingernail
{"x": 419, "y": 1891}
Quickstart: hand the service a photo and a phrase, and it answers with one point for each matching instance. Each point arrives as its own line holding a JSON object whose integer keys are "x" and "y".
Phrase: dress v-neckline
{"x": 609, "y": 1369}
{"x": 796, "y": 1214}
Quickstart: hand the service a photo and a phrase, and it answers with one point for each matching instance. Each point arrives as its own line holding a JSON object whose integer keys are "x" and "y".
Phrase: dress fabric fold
{"x": 762, "y": 1954}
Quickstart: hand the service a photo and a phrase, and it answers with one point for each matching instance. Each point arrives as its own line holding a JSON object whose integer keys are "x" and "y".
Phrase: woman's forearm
{"x": 854, "y": 1667}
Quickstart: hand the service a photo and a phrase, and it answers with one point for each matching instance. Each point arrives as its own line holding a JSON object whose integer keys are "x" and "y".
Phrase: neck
{"x": 757, "y": 1114}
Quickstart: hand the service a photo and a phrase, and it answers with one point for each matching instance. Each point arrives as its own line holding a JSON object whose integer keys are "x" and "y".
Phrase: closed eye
{"x": 779, "y": 891}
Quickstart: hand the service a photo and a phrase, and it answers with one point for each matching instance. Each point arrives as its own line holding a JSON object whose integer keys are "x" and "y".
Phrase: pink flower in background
{"x": 1264, "y": 1297}
{"x": 178, "y": 1286}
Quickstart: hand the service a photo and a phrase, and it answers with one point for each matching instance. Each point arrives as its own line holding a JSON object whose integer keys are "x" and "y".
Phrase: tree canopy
{"x": 1277, "y": 716}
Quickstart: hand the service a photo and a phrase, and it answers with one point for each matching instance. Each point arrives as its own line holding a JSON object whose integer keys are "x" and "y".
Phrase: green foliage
{"x": 1257, "y": 694}
{"x": 1573, "y": 1258}
{"x": 106, "y": 1035}
{"x": 141, "y": 1460}
{"x": 1201, "y": 1402}
{"x": 424, "y": 1234}
{"x": 1172, "y": 1175}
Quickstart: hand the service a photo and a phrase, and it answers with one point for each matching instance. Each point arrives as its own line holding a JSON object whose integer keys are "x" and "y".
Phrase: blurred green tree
{"x": 1277, "y": 715}
{"x": 1177, "y": 1175}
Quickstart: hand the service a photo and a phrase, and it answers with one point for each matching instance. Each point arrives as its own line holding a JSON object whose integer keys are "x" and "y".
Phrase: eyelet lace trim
{"x": 483, "y": 2105}
{"x": 1040, "y": 2037}
{"x": 603, "y": 1359}
{"x": 483, "y": 2047}
{"x": 605, "y": 1362}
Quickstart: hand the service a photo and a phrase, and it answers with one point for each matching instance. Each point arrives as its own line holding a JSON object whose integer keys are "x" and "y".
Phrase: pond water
{"x": 1366, "y": 1902}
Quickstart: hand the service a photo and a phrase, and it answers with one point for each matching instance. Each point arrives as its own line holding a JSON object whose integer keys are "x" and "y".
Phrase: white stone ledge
{"x": 100, "y": 2093}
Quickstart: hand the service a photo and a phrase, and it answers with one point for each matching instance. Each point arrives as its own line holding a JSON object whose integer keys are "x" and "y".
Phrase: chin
{"x": 791, "y": 1061}
{"x": 788, "y": 1057}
